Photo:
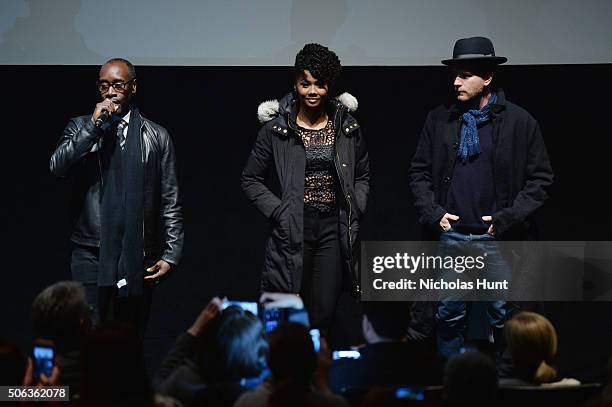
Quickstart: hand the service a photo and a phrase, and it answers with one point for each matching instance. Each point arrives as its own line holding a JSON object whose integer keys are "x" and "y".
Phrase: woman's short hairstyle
{"x": 292, "y": 354}
{"x": 323, "y": 64}
{"x": 234, "y": 347}
{"x": 59, "y": 311}
{"x": 470, "y": 379}
{"x": 292, "y": 362}
{"x": 532, "y": 342}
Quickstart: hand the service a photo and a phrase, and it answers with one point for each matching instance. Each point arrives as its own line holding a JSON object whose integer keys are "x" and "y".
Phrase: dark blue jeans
{"x": 451, "y": 315}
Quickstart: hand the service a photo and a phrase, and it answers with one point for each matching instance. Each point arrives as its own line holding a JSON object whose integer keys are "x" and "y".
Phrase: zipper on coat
{"x": 144, "y": 177}
{"x": 341, "y": 181}
{"x": 100, "y": 169}
{"x": 348, "y": 202}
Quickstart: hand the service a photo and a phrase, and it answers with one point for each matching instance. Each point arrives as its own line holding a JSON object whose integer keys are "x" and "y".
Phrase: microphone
{"x": 103, "y": 118}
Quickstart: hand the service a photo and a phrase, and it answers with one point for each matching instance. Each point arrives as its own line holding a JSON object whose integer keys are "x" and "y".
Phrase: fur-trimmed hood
{"x": 271, "y": 109}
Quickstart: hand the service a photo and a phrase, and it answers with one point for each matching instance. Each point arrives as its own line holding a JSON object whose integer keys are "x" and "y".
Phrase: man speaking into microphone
{"x": 128, "y": 222}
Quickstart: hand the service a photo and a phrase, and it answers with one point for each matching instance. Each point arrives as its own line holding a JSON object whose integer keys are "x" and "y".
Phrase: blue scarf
{"x": 469, "y": 146}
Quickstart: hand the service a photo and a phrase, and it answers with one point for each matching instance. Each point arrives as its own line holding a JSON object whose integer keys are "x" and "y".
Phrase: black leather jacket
{"x": 77, "y": 155}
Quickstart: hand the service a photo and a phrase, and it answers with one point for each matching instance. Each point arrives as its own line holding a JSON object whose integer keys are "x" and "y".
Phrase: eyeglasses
{"x": 119, "y": 86}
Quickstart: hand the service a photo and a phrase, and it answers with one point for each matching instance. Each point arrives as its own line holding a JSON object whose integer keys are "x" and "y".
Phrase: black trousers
{"x": 322, "y": 273}
{"x": 106, "y": 305}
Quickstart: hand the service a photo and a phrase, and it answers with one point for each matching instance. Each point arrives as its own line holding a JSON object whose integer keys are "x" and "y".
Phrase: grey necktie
{"x": 120, "y": 133}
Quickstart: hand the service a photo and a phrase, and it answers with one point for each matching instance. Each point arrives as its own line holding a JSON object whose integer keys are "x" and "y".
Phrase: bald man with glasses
{"x": 128, "y": 222}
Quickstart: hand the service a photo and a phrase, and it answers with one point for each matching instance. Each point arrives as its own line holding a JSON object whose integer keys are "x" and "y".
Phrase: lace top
{"x": 319, "y": 189}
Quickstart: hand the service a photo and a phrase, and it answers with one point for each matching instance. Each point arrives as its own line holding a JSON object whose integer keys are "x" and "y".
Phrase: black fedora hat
{"x": 474, "y": 49}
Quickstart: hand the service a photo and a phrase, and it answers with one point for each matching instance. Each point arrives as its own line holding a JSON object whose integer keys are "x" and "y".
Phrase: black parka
{"x": 273, "y": 180}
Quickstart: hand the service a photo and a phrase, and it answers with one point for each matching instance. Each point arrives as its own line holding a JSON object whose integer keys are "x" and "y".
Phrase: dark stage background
{"x": 211, "y": 114}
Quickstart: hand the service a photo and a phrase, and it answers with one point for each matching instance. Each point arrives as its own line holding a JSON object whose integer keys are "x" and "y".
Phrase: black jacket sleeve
{"x": 255, "y": 171}
{"x": 362, "y": 173}
{"x": 539, "y": 176}
{"x": 181, "y": 353}
{"x": 420, "y": 177}
{"x": 74, "y": 144}
{"x": 171, "y": 207}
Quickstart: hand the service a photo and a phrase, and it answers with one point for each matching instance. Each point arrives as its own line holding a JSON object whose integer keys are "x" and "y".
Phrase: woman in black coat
{"x": 308, "y": 173}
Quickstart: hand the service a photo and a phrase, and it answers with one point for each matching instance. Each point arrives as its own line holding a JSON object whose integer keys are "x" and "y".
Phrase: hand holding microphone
{"x": 103, "y": 112}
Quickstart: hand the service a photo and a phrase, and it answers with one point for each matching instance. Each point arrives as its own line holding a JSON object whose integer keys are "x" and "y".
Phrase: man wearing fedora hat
{"x": 479, "y": 173}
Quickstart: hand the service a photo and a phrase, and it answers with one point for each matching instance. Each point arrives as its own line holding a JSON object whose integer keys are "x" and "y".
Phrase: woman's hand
{"x": 212, "y": 309}
{"x": 281, "y": 300}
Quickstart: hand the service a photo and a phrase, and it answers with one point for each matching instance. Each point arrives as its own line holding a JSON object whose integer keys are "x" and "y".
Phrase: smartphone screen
{"x": 316, "y": 339}
{"x": 346, "y": 354}
{"x": 43, "y": 360}
{"x": 406, "y": 393}
{"x": 272, "y": 318}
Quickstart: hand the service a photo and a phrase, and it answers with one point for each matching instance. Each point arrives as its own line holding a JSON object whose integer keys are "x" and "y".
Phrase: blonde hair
{"x": 532, "y": 343}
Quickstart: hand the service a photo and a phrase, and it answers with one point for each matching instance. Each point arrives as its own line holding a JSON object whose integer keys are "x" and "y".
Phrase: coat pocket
{"x": 280, "y": 224}
{"x": 277, "y": 275}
